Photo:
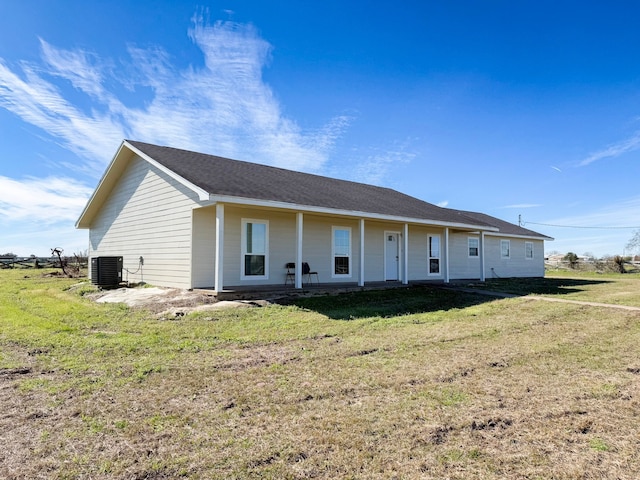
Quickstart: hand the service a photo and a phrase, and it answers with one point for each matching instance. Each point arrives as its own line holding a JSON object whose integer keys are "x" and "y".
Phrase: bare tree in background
{"x": 634, "y": 243}
{"x": 58, "y": 251}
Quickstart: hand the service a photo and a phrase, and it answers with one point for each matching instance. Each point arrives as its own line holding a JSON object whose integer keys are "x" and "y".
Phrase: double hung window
{"x": 528, "y": 250}
{"x": 433, "y": 253}
{"x": 255, "y": 249}
{"x": 474, "y": 247}
{"x": 341, "y": 251}
{"x": 505, "y": 249}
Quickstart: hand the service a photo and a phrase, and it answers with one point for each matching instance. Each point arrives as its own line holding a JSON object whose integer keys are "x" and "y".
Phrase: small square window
{"x": 254, "y": 265}
{"x": 434, "y": 266}
{"x": 341, "y": 266}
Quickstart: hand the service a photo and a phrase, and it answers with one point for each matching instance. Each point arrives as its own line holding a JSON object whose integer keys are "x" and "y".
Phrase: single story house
{"x": 190, "y": 220}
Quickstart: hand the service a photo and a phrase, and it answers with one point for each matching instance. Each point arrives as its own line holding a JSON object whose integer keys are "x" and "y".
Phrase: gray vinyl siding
{"x": 464, "y": 267}
{"x": 204, "y": 247}
{"x": 418, "y": 264}
{"x": 282, "y": 244}
{"x": 374, "y": 242}
{"x": 147, "y": 214}
{"x": 461, "y": 265}
{"x": 418, "y": 253}
{"x": 516, "y": 265}
{"x": 316, "y": 245}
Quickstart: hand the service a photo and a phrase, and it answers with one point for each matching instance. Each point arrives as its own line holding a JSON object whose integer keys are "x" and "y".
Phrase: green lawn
{"x": 407, "y": 383}
{"x": 574, "y": 285}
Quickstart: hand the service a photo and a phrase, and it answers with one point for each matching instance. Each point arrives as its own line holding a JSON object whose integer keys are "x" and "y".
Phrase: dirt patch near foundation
{"x": 169, "y": 303}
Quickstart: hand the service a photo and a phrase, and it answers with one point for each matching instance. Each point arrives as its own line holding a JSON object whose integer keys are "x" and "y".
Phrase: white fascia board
{"x": 511, "y": 235}
{"x": 345, "y": 213}
{"x": 202, "y": 194}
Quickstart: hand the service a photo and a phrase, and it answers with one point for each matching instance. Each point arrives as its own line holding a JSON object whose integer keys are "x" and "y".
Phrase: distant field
{"x": 407, "y": 383}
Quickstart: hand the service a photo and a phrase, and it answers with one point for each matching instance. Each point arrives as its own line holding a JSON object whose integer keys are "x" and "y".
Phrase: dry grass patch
{"x": 488, "y": 389}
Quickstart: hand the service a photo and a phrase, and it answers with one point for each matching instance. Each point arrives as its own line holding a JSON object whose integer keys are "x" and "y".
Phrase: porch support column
{"x": 482, "y": 278}
{"x": 219, "y": 272}
{"x": 361, "y": 275}
{"x": 299, "y": 229}
{"x": 446, "y": 255}
{"x": 405, "y": 254}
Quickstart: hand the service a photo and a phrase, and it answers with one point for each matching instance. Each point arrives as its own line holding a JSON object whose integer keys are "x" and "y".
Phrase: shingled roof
{"x": 223, "y": 176}
{"x": 505, "y": 228}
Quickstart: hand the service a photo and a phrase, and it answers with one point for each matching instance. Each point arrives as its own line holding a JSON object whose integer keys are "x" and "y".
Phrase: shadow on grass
{"x": 388, "y": 303}
{"x": 424, "y": 298}
{"x": 540, "y": 286}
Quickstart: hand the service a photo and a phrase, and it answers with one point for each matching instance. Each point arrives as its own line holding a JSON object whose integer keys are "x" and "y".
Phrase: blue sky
{"x": 507, "y": 108}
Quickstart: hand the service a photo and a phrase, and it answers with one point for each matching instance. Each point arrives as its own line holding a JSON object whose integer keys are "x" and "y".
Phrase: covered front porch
{"x": 348, "y": 252}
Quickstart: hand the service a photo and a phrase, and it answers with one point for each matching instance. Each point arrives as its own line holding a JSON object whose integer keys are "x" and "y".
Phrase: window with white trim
{"x": 433, "y": 254}
{"x": 528, "y": 250}
{"x": 474, "y": 247}
{"x": 505, "y": 248}
{"x": 341, "y": 251}
{"x": 255, "y": 249}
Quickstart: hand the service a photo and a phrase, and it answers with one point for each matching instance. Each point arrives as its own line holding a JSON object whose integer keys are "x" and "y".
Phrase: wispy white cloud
{"x": 375, "y": 168}
{"x": 613, "y": 150}
{"x": 443, "y": 203}
{"x": 43, "y": 201}
{"x": 223, "y": 107}
{"x": 37, "y": 214}
{"x": 78, "y": 67}
{"x": 40, "y": 103}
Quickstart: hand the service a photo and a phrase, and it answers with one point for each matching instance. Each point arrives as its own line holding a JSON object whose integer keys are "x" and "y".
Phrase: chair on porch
{"x": 291, "y": 273}
{"x": 306, "y": 270}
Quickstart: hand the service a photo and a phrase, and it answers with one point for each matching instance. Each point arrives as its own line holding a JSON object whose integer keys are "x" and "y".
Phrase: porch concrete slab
{"x": 271, "y": 292}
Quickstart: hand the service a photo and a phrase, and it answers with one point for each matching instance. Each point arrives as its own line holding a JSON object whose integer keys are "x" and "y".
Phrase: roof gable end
{"x": 116, "y": 167}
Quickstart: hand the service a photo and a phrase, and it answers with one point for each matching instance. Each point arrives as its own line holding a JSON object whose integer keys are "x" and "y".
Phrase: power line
{"x": 580, "y": 226}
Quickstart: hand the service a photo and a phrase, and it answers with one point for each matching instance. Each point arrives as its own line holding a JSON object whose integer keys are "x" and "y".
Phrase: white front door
{"x": 391, "y": 256}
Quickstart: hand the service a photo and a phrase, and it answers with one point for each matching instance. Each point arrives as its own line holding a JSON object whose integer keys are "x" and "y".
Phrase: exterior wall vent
{"x": 106, "y": 271}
